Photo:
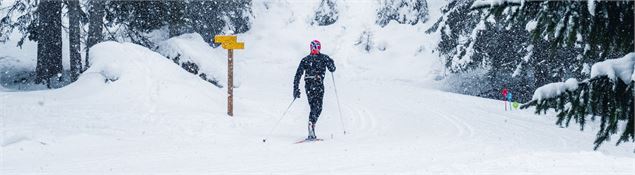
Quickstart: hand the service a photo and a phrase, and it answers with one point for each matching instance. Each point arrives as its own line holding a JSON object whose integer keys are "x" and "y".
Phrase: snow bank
{"x": 554, "y": 89}
{"x": 621, "y": 68}
{"x": 130, "y": 73}
{"x": 127, "y": 89}
{"x": 189, "y": 49}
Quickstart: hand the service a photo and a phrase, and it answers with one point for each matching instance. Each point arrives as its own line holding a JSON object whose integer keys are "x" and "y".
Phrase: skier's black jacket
{"x": 314, "y": 67}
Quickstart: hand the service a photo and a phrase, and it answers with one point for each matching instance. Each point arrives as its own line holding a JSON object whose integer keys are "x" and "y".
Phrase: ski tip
{"x": 309, "y": 140}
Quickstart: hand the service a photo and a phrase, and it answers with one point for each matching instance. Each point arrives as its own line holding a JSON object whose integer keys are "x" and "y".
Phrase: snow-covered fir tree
{"x": 18, "y": 16}
{"x": 326, "y": 13}
{"x": 365, "y": 41}
{"x": 209, "y": 18}
{"x": 402, "y": 11}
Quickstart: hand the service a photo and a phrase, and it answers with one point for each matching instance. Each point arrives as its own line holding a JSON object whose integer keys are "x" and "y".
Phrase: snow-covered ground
{"x": 135, "y": 112}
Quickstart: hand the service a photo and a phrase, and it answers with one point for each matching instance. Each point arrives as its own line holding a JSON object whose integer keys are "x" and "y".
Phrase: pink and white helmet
{"x": 315, "y": 47}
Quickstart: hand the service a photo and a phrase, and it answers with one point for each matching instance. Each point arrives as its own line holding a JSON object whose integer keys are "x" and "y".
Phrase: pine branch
{"x": 599, "y": 96}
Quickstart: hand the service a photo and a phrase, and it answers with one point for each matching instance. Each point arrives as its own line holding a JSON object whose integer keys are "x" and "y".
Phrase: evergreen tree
{"x": 500, "y": 50}
{"x": 21, "y": 15}
{"x": 74, "y": 38}
{"x": 96, "y": 12}
{"x": 49, "y": 37}
{"x": 210, "y": 18}
{"x": 132, "y": 19}
{"x": 326, "y": 13}
{"x": 403, "y": 11}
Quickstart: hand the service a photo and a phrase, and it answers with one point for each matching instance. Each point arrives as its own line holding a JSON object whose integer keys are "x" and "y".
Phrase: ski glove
{"x": 296, "y": 93}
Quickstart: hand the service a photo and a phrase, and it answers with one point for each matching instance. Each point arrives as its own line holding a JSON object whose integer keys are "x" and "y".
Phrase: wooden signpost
{"x": 230, "y": 43}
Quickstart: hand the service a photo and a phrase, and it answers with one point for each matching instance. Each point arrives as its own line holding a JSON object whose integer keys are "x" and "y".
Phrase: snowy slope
{"x": 135, "y": 112}
{"x": 192, "y": 49}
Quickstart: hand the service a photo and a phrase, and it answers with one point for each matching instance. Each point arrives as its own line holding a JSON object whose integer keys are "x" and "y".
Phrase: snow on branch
{"x": 621, "y": 68}
{"x": 481, "y": 4}
{"x": 552, "y": 90}
{"x": 615, "y": 69}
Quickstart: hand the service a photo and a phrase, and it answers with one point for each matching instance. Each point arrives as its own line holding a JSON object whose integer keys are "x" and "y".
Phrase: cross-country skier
{"x": 313, "y": 66}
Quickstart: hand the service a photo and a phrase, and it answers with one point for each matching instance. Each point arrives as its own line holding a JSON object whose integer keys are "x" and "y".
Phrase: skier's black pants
{"x": 315, "y": 94}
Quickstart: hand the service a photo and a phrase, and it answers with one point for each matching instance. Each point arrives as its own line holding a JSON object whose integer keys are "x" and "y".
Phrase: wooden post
{"x": 230, "y": 82}
{"x": 230, "y": 43}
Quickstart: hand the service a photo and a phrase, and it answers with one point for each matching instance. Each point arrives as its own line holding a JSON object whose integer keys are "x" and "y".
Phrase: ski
{"x": 308, "y": 140}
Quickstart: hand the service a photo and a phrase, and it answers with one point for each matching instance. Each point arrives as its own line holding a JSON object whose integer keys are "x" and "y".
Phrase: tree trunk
{"x": 49, "y": 38}
{"x": 74, "y": 38}
{"x": 95, "y": 28}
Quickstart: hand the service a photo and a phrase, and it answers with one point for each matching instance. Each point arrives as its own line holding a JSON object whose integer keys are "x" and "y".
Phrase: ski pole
{"x": 281, "y": 117}
{"x": 338, "y": 102}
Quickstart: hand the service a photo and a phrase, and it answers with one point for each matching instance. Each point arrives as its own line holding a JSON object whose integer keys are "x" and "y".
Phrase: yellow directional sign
{"x": 229, "y": 42}
{"x": 225, "y": 39}
{"x": 233, "y": 45}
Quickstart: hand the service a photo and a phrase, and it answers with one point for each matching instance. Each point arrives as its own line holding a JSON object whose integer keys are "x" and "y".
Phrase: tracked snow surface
{"x": 136, "y": 112}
